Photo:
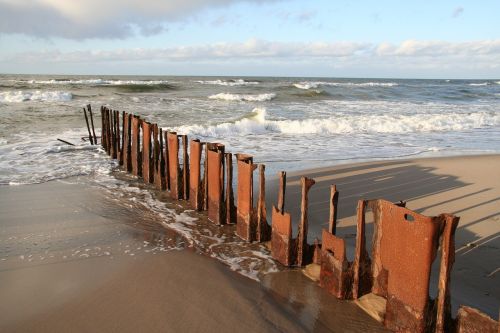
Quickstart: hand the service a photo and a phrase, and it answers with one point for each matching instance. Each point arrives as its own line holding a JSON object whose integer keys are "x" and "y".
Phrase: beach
{"x": 78, "y": 256}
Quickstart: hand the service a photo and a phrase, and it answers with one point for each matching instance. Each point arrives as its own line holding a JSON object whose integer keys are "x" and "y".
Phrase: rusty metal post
{"x": 230, "y": 208}
{"x": 103, "y": 137}
{"x": 121, "y": 155}
{"x": 117, "y": 135}
{"x": 302, "y": 246}
{"x": 360, "y": 254}
{"x": 185, "y": 167}
{"x": 245, "y": 220}
{"x": 88, "y": 127}
{"x": 160, "y": 166}
{"x": 282, "y": 244}
{"x": 167, "y": 161}
{"x": 443, "y": 316}
{"x": 135, "y": 149}
{"x": 89, "y": 107}
{"x": 174, "y": 168}
{"x": 216, "y": 209}
{"x": 146, "y": 153}
{"x": 108, "y": 131}
{"x": 281, "y": 193}
{"x": 205, "y": 178}
{"x": 113, "y": 133}
{"x": 195, "y": 197}
{"x": 263, "y": 230}
{"x": 127, "y": 152}
{"x": 334, "y": 200}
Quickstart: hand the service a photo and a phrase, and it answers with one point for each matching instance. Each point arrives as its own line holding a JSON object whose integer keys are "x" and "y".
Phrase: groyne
{"x": 392, "y": 284}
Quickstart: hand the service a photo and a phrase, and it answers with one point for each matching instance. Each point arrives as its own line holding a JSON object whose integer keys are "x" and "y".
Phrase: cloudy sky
{"x": 333, "y": 38}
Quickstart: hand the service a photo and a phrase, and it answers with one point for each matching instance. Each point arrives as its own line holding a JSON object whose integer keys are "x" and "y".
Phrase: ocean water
{"x": 286, "y": 123}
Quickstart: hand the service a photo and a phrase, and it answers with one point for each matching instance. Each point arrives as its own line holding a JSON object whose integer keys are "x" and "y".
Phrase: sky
{"x": 316, "y": 38}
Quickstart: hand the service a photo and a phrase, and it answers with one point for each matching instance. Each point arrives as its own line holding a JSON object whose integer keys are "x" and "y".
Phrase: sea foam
{"x": 316, "y": 84}
{"x": 257, "y": 123}
{"x": 231, "y": 83}
{"x": 99, "y": 82}
{"x": 241, "y": 98}
{"x": 38, "y": 96}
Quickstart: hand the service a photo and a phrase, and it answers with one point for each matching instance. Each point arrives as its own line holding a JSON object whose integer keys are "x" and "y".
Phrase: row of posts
{"x": 400, "y": 247}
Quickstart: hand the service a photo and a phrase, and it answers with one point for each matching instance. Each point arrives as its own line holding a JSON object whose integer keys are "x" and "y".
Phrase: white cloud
{"x": 425, "y": 58}
{"x": 96, "y": 18}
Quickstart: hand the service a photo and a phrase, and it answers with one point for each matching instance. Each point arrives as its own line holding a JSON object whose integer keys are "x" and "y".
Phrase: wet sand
{"x": 468, "y": 187}
{"x": 74, "y": 259}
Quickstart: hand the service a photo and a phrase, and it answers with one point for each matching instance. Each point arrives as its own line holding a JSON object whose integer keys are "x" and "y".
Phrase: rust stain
{"x": 216, "y": 209}
{"x": 135, "y": 150}
{"x": 245, "y": 222}
{"x": 174, "y": 173}
{"x": 195, "y": 195}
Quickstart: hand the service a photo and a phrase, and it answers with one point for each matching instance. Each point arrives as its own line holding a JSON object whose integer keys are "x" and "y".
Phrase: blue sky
{"x": 421, "y": 39}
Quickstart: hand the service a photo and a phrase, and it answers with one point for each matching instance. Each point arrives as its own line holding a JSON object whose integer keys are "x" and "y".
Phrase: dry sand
{"x": 78, "y": 261}
{"x": 468, "y": 187}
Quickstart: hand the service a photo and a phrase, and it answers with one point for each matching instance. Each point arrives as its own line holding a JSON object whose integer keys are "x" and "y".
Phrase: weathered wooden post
{"x": 88, "y": 127}
{"x": 185, "y": 168}
{"x": 174, "y": 168}
{"x": 147, "y": 167}
{"x": 89, "y": 107}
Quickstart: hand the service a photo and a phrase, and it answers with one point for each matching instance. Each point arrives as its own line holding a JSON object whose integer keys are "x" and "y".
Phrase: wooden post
{"x": 334, "y": 200}
{"x": 167, "y": 162}
{"x": 117, "y": 135}
{"x": 103, "y": 136}
{"x": 205, "y": 179}
{"x": 303, "y": 226}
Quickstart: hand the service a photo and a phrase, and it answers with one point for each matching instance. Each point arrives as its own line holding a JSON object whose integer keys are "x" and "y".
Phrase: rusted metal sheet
{"x": 282, "y": 191}
{"x": 113, "y": 133}
{"x": 185, "y": 167}
{"x": 135, "y": 147}
{"x": 147, "y": 167}
{"x": 443, "y": 315}
{"x": 230, "y": 207}
{"x": 195, "y": 195}
{"x": 215, "y": 157}
{"x": 205, "y": 178}
{"x": 263, "y": 232}
{"x": 334, "y": 201}
{"x": 335, "y": 275}
{"x": 304, "y": 254}
{"x": 103, "y": 136}
{"x": 122, "y": 141}
{"x": 404, "y": 246}
{"x": 470, "y": 320}
{"x": 282, "y": 244}
{"x": 245, "y": 221}
{"x": 173, "y": 166}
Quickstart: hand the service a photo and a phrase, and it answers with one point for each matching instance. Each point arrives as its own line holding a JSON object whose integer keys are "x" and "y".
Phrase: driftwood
{"x": 66, "y": 142}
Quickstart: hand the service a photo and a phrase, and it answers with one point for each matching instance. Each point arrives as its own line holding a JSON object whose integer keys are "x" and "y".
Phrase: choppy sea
{"x": 286, "y": 123}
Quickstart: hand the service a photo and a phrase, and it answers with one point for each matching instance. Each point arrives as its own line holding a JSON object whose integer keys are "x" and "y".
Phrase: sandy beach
{"x": 74, "y": 259}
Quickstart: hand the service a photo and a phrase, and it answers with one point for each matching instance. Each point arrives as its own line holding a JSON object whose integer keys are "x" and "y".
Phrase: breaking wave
{"x": 99, "y": 82}
{"x": 38, "y": 96}
{"x": 315, "y": 84}
{"x": 231, "y": 83}
{"x": 257, "y": 123}
{"x": 241, "y": 98}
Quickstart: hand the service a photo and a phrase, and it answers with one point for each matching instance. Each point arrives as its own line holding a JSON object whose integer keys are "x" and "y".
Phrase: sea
{"x": 287, "y": 123}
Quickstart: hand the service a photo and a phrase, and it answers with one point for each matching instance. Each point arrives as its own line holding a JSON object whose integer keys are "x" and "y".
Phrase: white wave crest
{"x": 231, "y": 83}
{"x": 315, "y": 84}
{"x": 240, "y": 98}
{"x": 343, "y": 124}
{"x": 39, "y": 96}
{"x": 478, "y": 84}
{"x": 100, "y": 82}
